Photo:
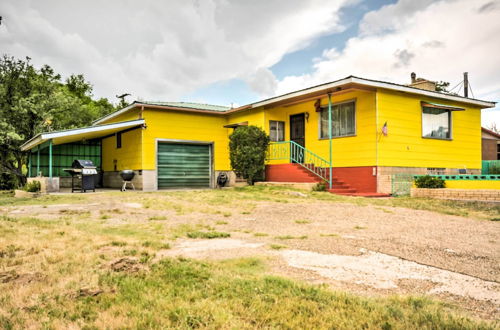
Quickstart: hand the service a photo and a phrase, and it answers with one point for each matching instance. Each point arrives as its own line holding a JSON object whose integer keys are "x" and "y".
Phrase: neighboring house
{"x": 378, "y": 129}
{"x": 490, "y": 145}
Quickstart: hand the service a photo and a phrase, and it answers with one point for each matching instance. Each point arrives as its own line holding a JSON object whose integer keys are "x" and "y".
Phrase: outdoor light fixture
{"x": 307, "y": 116}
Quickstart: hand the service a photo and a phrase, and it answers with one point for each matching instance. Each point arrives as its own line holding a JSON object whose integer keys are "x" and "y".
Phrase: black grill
{"x": 83, "y": 175}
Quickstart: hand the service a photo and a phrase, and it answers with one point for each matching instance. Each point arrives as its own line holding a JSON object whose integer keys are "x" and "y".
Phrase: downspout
{"x": 330, "y": 136}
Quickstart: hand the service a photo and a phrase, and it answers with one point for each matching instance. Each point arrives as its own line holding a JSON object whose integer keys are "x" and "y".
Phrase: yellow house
{"x": 378, "y": 129}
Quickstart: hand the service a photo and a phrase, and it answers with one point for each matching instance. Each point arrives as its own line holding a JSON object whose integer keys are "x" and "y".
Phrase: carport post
{"x": 37, "y": 160}
{"x": 29, "y": 165}
{"x": 50, "y": 158}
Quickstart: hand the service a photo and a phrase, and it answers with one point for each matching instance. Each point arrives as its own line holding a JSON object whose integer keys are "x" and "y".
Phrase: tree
{"x": 35, "y": 100}
{"x": 247, "y": 152}
{"x": 442, "y": 86}
{"x": 493, "y": 127}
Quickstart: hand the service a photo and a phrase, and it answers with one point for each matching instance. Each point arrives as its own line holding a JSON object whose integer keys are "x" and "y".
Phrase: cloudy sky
{"x": 238, "y": 51}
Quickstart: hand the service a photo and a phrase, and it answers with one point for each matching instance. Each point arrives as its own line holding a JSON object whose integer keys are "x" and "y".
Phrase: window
{"x": 343, "y": 120}
{"x": 436, "y": 123}
{"x": 118, "y": 140}
{"x": 277, "y": 130}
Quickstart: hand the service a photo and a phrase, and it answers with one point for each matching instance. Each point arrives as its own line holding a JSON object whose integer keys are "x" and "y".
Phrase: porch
{"x": 289, "y": 162}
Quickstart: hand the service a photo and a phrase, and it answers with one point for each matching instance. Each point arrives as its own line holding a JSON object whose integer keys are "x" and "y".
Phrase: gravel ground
{"x": 363, "y": 249}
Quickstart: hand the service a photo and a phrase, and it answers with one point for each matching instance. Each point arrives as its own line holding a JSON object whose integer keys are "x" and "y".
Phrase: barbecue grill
{"x": 83, "y": 175}
{"x": 127, "y": 176}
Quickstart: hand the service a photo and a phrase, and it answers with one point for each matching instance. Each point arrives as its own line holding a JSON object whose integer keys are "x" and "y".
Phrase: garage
{"x": 183, "y": 165}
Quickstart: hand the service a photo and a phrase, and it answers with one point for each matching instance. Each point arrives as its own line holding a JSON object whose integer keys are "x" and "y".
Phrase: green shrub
{"x": 33, "y": 186}
{"x": 247, "y": 152}
{"x": 428, "y": 181}
{"x": 7, "y": 181}
{"x": 320, "y": 186}
{"x": 494, "y": 169}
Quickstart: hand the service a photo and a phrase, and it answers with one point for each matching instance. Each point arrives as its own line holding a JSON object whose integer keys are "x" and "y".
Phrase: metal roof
{"x": 330, "y": 86}
{"x": 326, "y": 87}
{"x": 189, "y": 105}
{"x": 77, "y": 134}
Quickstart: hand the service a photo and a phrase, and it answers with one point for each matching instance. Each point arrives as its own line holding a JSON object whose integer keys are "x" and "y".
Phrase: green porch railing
{"x": 295, "y": 153}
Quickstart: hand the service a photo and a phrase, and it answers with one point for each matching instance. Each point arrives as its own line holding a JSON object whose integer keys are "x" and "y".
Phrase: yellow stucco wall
{"x": 405, "y": 146}
{"x": 358, "y": 150}
{"x": 177, "y": 125}
{"x": 128, "y": 157}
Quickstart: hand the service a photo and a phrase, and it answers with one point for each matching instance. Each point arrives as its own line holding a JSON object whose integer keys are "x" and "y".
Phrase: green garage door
{"x": 183, "y": 165}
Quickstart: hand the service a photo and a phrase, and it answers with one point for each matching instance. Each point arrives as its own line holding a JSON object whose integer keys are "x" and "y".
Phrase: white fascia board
{"x": 33, "y": 142}
{"x": 40, "y": 138}
{"x": 116, "y": 113}
{"x": 375, "y": 84}
{"x": 303, "y": 92}
{"x": 414, "y": 90}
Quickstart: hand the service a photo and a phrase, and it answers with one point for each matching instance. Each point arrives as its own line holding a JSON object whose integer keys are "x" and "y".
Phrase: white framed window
{"x": 343, "y": 120}
{"x": 276, "y": 130}
{"x": 436, "y": 123}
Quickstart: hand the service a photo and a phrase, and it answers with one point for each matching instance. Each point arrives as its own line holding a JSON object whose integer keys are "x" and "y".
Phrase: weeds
{"x": 277, "y": 246}
{"x": 207, "y": 234}
{"x": 157, "y": 218}
{"x": 302, "y": 222}
{"x": 285, "y": 237}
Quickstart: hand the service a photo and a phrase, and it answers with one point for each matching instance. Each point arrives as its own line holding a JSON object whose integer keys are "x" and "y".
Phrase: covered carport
{"x": 51, "y": 152}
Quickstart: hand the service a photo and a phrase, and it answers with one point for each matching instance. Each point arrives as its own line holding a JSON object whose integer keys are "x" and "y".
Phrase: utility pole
{"x": 466, "y": 84}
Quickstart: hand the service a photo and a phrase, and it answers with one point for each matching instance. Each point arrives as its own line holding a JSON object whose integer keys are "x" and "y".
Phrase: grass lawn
{"x": 84, "y": 261}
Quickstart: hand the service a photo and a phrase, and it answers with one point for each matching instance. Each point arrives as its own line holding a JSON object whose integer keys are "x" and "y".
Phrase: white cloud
{"x": 263, "y": 82}
{"x": 159, "y": 49}
{"x": 439, "y": 41}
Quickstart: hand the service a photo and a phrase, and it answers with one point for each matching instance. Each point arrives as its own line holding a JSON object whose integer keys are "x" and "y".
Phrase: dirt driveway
{"x": 363, "y": 246}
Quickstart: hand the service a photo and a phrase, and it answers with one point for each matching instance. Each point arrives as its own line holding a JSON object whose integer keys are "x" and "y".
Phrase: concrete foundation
{"x": 46, "y": 184}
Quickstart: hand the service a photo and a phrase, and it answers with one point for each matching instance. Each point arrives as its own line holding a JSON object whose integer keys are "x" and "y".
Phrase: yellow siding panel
{"x": 254, "y": 117}
{"x": 405, "y": 146}
{"x": 128, "y": 157}
{"x": 132, "y": 114}
{"x": 358, "y": 150}
{"x": 176, "y": 125}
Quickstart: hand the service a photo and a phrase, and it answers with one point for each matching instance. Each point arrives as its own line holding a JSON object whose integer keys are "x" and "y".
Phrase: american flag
{"x": 384, "y": 129}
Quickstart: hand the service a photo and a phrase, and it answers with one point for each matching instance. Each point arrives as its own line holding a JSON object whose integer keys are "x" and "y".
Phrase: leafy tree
{"x": 247, "y": 152}
{"x": 35, "y": 100}
{"x": 442, "y": 86}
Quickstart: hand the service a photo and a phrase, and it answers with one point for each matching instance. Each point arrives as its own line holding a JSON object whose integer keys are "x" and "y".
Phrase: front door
{"x": 297, "y": 135}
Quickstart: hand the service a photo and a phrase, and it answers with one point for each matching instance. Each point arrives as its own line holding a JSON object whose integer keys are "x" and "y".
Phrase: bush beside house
{"x": 247, "y": 152}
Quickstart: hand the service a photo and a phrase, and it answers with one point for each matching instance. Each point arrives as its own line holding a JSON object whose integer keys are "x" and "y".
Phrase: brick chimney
{"x": 422, "y": 83}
